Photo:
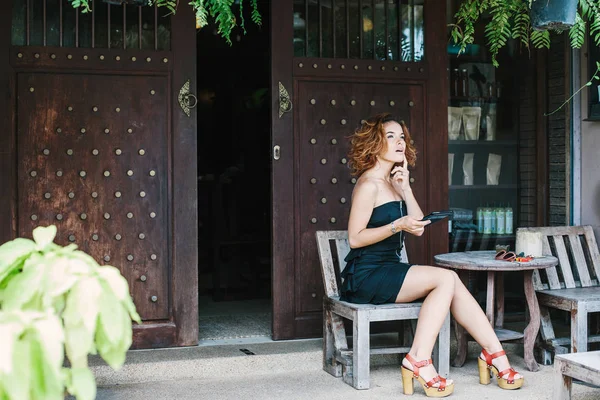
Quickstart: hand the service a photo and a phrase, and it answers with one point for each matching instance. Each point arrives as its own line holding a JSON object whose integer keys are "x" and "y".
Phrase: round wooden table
{"x": 467, "y": 261}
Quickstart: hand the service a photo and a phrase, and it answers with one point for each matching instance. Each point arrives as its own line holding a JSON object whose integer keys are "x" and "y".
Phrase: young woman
{"x": 383, "y": 210}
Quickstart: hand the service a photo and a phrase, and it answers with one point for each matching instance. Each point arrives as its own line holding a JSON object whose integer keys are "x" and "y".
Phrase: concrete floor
{"x": 292, "y": 370}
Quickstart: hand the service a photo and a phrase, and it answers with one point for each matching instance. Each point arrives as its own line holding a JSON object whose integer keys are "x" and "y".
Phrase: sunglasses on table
{"x": 504, "y": 255}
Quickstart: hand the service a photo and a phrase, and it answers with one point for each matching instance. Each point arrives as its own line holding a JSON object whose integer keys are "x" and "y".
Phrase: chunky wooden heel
{"x": 442, "y": 390}
{"x": 508, "y": 383}
{"x": 484, "y": 372}
{"x": 407, "y": 381}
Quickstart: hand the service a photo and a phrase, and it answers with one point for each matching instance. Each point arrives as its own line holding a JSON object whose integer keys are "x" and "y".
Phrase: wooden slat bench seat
{"x": 353, "y": 363}
{"x": 571, "y": 286}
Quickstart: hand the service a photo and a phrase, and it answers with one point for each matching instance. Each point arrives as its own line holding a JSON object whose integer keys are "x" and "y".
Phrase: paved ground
{"x": 292, "y": 370}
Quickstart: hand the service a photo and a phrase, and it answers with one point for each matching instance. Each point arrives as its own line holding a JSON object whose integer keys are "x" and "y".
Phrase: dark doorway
{"x": 234, "y": 168}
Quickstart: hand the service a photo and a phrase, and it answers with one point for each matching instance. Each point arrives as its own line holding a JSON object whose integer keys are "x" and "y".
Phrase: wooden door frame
{"x": 182, "y": 327}
{"x": 282, "y": 235}
{"x": 185, "y": 180}
{"x": 436, "y": 142}
{"x": 8, "y": 171}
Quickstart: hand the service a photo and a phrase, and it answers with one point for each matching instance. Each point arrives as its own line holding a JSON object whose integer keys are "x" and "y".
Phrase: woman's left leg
{"x": 468, "y": 314}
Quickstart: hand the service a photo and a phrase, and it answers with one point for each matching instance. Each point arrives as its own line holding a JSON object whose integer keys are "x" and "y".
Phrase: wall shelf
{"x": 479, "y": 187}
{"x": 482, "y": 143}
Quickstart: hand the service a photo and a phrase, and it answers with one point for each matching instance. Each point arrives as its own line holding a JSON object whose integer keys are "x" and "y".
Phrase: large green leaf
{"x": 43, "y": 236}
{"x": 111, "y": 317}
{"x": 114, "y": 353}
{"x": 51, "y": 338}
{"x": 60, "y": 279}
{"x": 115, "y": 280}
{"x": 18, "y": 383}
{"x": 82, "y": 384}
{"x": 46, "y": 378}
{"x": 23, "y": 289}
{"x": 118, "y": 285}
{"x": 80, "y": 316}
{"x": 11, "y": 327}
{"x": 13, "y": 254}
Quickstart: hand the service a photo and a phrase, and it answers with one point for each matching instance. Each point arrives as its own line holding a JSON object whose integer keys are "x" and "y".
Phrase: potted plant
{"x": 54, "y": 301}
{"x": 221, "y": 11}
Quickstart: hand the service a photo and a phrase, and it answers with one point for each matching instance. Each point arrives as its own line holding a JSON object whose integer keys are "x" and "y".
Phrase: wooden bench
{"x": 582, "y": 366}
{"x": 572, "y": 286}
{"x": 353, "y": 364}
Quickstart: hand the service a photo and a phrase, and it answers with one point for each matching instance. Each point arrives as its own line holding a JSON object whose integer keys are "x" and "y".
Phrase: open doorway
{"x": 234, "y": 169}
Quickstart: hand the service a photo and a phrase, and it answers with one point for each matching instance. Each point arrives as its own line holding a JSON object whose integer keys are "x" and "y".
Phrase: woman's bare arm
{"x": 412, "y": 206}
{"x": 363, "y": 202}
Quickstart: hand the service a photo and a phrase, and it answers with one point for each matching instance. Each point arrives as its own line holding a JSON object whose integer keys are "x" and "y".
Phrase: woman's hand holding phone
{"x": 411, "y": 225}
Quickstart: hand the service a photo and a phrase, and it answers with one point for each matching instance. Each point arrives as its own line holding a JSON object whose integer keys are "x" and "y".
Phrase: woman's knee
{"x": 445, "y": 278}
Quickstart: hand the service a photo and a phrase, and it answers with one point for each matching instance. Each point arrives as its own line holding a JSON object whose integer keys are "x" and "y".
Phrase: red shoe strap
{"x": 417, "y": 364}
{"x": 511, "y": 375}
{"x": 489, "y": 357}
{"x": 442, "y": 382}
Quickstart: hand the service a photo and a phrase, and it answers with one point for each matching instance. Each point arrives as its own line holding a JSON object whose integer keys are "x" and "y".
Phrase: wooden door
{"x": 96, "y": 143}
{"x": 325, "y": 80}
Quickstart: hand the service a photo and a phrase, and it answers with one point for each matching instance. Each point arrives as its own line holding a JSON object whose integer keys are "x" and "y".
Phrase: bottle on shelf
{"x": 465, "y": 83}
{"x": 479, "y": 219}
{"x": 500, "y": 220}
{"x": 508, "y": 220}
{"x": 487, "y": 220}
{"x": 455, "y": 81}
{"x": 493, "y": 218}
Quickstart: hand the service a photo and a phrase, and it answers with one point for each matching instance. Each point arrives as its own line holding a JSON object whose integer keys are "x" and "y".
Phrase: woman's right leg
{"x": 436, "y": 285}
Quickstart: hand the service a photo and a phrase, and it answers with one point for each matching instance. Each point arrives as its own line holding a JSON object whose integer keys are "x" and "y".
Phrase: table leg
{"x": 461, "y": 334}
{"x": 499, "y": 300}
{"x": 534, "y": 322}
{"x": 489, "y": 301}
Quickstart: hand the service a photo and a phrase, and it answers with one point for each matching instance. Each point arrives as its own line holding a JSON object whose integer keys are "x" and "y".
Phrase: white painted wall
{"x": 590, "y": 160}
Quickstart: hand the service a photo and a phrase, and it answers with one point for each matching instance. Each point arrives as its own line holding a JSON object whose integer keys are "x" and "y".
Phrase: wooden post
{"x": 579, "y": 329}
{"x": 562, "y": 383}
{"x": 360, "y": 352}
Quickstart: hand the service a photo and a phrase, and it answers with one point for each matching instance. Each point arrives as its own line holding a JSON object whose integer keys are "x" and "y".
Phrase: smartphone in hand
{"x": 437, "y": 216}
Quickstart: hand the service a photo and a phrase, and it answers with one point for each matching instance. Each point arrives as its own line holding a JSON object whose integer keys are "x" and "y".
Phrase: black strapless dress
{"x": 374, "y": 273}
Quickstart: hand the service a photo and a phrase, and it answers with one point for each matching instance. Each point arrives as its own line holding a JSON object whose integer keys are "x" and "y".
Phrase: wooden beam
{"x": 541, "y": 127}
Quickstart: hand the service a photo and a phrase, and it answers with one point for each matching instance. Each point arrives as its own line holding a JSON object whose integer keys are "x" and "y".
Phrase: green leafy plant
{"x": 220, "y": 10}
{"x": 509, "y": 19}
{"x": 54, "y": 301}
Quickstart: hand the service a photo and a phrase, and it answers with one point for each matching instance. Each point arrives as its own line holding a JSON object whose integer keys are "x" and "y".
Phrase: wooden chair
{"x": 571, "y": 286}
{"x": 353, "y": 364}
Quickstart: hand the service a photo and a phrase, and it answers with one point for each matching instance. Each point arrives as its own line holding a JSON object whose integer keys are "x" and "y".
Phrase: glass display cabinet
{"x": 483, "y": 150}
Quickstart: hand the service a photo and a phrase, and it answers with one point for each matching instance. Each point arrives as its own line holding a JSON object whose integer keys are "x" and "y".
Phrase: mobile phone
{"x": 437, "y": 216}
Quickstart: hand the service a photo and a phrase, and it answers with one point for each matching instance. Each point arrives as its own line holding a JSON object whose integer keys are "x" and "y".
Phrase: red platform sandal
{"x": 486, "y": 368}
{"x": 442, "y": 390}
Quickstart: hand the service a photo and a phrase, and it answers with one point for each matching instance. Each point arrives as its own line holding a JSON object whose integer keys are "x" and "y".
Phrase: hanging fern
{"x": 591, "y": 11}
{"x": 577, "y": 33}
{"x": 540, "y": 39}
{"x": 522, "y": 24}
{"x": 498, "y": 31}
{"x": 220, "y": 10}
{"x": 510, "y": 20}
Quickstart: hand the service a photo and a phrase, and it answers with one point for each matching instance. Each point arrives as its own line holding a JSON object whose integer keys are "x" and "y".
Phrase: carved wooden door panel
{"x": 334, "y": 64}
{"x": 100, "y": 143}
{"x": 328, "y": 112}
{"x": 94, "y": 163}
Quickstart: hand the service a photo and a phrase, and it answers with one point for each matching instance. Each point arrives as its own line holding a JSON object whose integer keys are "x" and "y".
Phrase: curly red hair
{"x": 369, "y": 140}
